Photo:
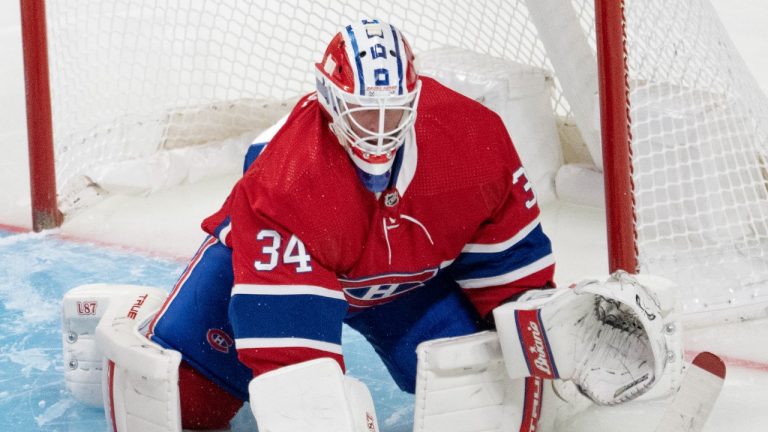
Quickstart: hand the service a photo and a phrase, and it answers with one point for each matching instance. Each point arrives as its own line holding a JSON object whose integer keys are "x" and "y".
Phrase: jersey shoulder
{"x": 303, "y": 182}
{"x": 461, "y": 139}
{"x": 293, "y": 147}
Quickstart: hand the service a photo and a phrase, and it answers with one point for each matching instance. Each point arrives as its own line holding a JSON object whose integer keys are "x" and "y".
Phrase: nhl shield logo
{"x": 391, "y": 199}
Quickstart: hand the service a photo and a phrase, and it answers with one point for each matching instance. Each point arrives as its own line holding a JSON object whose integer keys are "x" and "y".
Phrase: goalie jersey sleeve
{"x": 509, "y": 253}
{"x": 285, "y": 307}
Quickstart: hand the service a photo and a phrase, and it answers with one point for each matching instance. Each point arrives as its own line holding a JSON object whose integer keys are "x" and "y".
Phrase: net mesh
{"x": 698, "y": 122}
{"x": 134, "y": 77}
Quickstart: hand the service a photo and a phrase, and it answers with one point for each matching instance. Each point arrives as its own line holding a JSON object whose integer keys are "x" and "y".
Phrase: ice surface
{"x": 35, "y": 272}
{"x": 37, "y": 269}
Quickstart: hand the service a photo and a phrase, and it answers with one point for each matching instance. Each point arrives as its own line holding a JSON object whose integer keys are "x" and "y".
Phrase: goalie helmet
{"x": 367, "y": 83}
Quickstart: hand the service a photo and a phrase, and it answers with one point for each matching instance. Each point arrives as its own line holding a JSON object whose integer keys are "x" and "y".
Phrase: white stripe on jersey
{"x": 409, "y": 163}
{"x": 445, "y": 264}
{"x": 500, "y": 247}
{"x": 223, "y": 234}
{"x": 246, "y": 343}
{"x": 249, "y": 289}
{"x": 512, "y": 276}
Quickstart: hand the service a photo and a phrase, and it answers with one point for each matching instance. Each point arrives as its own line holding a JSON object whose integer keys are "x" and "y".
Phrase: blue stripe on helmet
{"x": 399, "y": 62}
{"x": 360, "y": 77}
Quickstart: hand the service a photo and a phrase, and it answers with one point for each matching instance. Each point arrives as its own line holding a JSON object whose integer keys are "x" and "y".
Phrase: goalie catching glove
{"x": 606, "y": 336}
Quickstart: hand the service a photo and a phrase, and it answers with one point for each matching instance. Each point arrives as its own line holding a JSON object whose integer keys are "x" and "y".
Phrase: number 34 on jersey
{"x": 294, "y": 252}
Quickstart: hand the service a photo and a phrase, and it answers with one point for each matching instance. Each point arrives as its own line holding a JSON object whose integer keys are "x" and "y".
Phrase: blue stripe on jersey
{"x": 474, "y": 265}
{"x": 399, "y": 62}
{"x": 359, "y": 63}
{"x": 219, "y": 228}
{"x": 253, "y": 152}
{"x": 279, "y": 316}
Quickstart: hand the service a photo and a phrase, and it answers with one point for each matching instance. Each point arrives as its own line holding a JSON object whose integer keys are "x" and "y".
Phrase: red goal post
{"x": 616, "y": 135}
{"x": 42, "y": 167}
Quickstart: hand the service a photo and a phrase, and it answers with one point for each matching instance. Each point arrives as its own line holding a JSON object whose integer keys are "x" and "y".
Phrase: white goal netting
{"x": 140, "y": 82}
{"x": 700, "y": 136}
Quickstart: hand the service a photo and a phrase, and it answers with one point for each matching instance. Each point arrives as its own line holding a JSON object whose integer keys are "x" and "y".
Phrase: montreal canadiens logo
{"x": 220, "y": 340}
{"x": 374, "y": 290}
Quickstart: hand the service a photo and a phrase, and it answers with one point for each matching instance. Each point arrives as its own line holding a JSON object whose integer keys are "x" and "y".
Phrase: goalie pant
{"x": 210, "y": 361}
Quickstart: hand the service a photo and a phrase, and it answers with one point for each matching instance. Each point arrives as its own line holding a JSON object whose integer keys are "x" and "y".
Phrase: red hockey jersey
{"x": 311, "y": 244}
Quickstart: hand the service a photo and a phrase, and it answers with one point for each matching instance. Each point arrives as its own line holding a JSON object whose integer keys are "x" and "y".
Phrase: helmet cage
{"x": 371, "y": 143}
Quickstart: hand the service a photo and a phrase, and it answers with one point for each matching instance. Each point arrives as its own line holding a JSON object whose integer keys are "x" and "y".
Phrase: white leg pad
{"x": 82, "y": 308}
{"x": 360, "y": 404}
{"x": 462, "y": 386}
{"x": 141, "y": 379}
{"x": 313, "y": 396}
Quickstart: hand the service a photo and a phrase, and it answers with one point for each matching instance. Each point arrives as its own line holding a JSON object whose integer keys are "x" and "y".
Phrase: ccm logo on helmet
{"x": 219, "y": 340}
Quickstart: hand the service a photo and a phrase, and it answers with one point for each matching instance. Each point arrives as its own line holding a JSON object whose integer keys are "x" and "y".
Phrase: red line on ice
{"x": 104, "y": 244}
{"x": 734, "y": 361}
{"x": 13, "y": 228}
{"x": 122, "y": 248}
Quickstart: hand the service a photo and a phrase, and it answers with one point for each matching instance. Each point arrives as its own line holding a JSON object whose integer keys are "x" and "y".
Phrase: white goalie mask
{"x": 367, "y": 83}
